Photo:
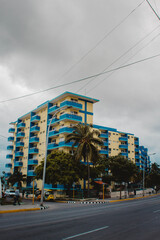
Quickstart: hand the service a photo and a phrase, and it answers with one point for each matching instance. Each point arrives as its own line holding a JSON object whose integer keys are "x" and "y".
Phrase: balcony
{"x": 34, "y": 129}
{"x": 52, "y": 146}
{"x": 8, "y": 165}
{"x": 136, "y": 149}
{"x": 10, "y": 147}
{"x": 19, "y": 154}
{"x": 64, "y": 144}
{"x": 20, "y": 134}
{"x": 34, "y": 140}
{"x": 103, "y": 151}
{"x": 11, "y": 139}
{"x": 125, "y": 146}
{"x": 21, "y": 125}
{"x": 32, "y": 162}
{"x": 31, "y": 173}
{"x": 136, "y": 142}
{"x": 104, "y": 135}
{"x": 20, "y": 144}
{"x": 66, "y": 130}
{"x": 123, "y": 139}
{"x": 18, "y": 164}
{"x": 54, "y": 121}
{"x": 11, "y": 130}
{"x": 7, "y": 174}
{"x": 53, "y": 133}
{"x": 9, "y": 156}
{"x": 71, "y": 104}
{"x": 52, "y": 109}
{"x": 124, "y": 154}
{"x": 105, "y": 144}
{"x": 71, "y": 117}
{"x": 35, "y": 118}
{"x": 136, "y": 156}
{"x": 33, "y": 150}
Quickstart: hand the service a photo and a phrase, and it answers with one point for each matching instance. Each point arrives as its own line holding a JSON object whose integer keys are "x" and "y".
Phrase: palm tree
{"x": 87, "y": 140}
{"x": 17, "y": 177}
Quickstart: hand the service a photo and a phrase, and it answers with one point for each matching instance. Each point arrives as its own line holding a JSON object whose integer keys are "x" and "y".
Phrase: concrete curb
{"x": 131, "y": 199}
{"x": 19, "y": 210}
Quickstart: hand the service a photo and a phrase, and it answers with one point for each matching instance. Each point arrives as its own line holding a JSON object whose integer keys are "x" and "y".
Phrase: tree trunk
{"x": 88, "y": 176}
{"x": 121, "y": 191}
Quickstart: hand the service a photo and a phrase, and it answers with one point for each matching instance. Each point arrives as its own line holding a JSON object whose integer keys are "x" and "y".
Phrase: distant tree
{"x": 122, "y": 170}
{"x": 61, "y": 168}
{"x": 87, "y": 140}
{"x": 153, "y": 178}
{"x": 16, "y": 177}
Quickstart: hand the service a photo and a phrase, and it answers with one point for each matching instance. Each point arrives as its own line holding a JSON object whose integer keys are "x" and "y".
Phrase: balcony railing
{"x": 105, "y": 143}
{"x": 33, "y": 150}
{"x": 8, "y": 165}
{"x": 31, "y": 173}
{"x": 125, "y": 146}
{"x": 21, "y": 125}
{"x": 20, "y": 144}
{"x": 53, "y": 133}
{"x": 32, "y": 162}
{"x": 103, "y": 151}
{"x": 34, "y": 129}
{"x": 18, "y": 164}
{"x": 124, "y": 154}
{"x": 34, "y": 139}
{"x": 52, "y": 146}
{"x": 19, "y": 154}
{"x": 72, "y": 117}
{"x": 52, "y": 109}
{"x": 54, "y": 120}
{"x": 20, "y": 134}
{"x": 11, "y": 139}
{"x": 10, "y": 147}
{"x": 11, "y": 130}
{"x": 66, "y": 130}
{"x": 71, "y": 104}
{"x": 7, "y": 174}
{"x": 9, "y": 156}
{"x": 123, "y": 139}
{"x": 35, "y": 118}
{"x": 104, "y": 135}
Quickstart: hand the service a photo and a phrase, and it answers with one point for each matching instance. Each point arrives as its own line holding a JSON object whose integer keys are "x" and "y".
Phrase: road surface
{"x": 128, "y": 220}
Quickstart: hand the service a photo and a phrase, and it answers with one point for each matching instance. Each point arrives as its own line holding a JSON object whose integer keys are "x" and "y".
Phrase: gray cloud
{"x": 39, "y": 41}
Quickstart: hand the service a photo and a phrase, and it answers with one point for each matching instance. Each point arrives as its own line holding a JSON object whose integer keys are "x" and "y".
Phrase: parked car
{"x": 48, "y": 196}
{"x": 9, "y": 193}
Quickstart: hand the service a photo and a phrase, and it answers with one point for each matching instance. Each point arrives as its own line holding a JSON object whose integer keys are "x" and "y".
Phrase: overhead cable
{"x": 83, "y": 79}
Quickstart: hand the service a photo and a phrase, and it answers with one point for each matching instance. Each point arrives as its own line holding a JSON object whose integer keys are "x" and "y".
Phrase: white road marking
{"x": 156, "y": 211}
{"x": 80, "y": 234}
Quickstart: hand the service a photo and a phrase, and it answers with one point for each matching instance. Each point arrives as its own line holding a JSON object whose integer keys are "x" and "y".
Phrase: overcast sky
{"x": 46, "y": 43}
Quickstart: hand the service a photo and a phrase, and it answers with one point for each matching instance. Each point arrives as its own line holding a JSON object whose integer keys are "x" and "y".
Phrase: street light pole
{"x": 45, "y": 160}
{"x": 144, "y": 172}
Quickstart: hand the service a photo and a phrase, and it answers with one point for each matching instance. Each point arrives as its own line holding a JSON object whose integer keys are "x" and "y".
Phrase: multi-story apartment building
{"x": 28, "y": 140}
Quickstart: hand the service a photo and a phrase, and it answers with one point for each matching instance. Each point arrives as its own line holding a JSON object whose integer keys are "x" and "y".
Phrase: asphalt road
{"x": 130, "y": 220}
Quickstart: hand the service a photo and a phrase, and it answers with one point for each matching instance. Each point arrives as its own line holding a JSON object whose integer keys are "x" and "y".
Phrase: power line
{"x": 153, "y": 9}
{"x": 107, "y": 34}
{"x": 122, "y": 55}
{"x": 125, "y": 62}
{"x": 3, "y": 136}
{"x": 83, "y": 79}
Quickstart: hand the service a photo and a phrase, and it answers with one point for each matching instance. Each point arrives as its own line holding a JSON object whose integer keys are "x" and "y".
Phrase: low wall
{"x": 130, "y": 194}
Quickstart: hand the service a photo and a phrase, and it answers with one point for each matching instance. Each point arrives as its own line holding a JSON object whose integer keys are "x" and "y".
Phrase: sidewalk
{"x": 28, "y": 206}
{"x": 19, "y": 208}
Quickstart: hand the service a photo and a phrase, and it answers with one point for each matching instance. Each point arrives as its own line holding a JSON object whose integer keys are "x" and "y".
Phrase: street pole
{"x": 103, "y": 191}
{"x": 45, "y": 159}
{"x": 33, "y": 194}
